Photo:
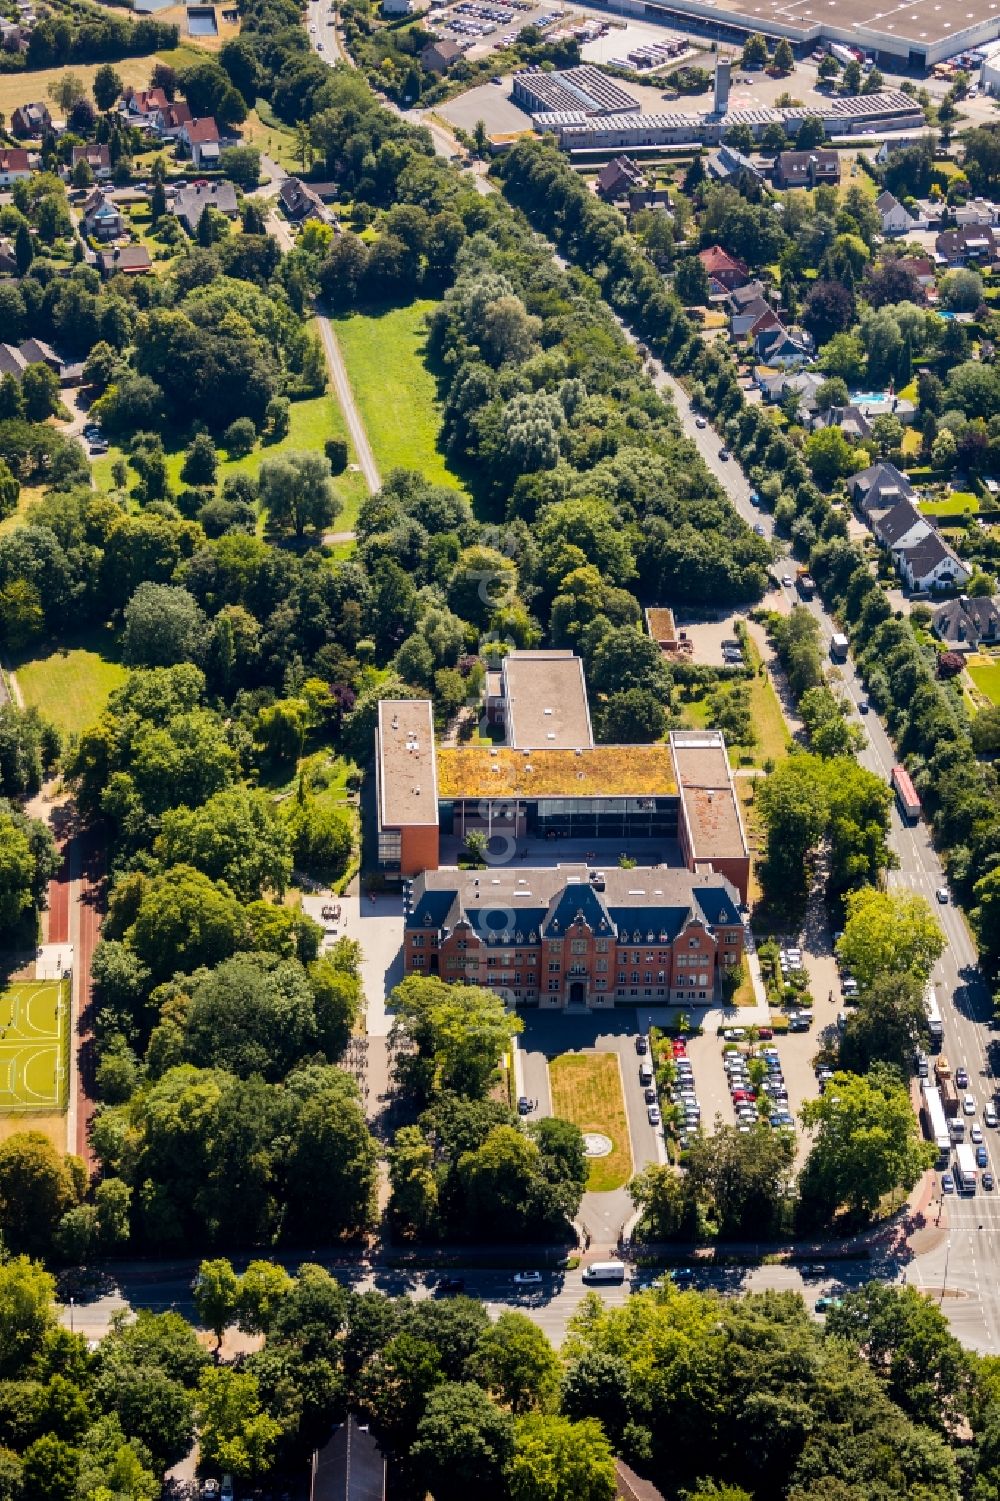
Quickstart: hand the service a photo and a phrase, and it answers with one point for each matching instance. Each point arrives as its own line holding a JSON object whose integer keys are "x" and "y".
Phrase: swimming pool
{"x": 201, "y": 21}
{"x": 865, "y": 398}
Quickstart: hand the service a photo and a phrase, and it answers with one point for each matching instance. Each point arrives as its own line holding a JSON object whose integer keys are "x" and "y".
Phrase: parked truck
{"x": 805, "y": 583}
{"x": 838, "y": 646}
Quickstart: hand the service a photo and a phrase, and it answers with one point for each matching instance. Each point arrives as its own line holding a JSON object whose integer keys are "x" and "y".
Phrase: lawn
{"x": 312, "y": 422}
{"x": 772, "y": 740}
{"x": 29, "y": 496}
{"x": 20, "y": 88}
{"x": 955, "y": 504}
{"x": 985, "y": 673}
{"x": 396, "y": 393}
{"x": 587, "y": 1089}
{"x": 69, "y": 686}
{"x": 34, "y": 1045}
{"x": 264, "y": 130}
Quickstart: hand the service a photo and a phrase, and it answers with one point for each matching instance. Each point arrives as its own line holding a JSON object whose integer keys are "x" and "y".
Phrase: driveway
{"x": 378, "y": 927}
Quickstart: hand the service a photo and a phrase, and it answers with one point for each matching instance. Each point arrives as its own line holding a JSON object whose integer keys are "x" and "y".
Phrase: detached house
{"x": 301, "y": 202}
{"x": 777, "y": 345}
{"x": 101, "y": 217}
{"x": 963, "y": 624}
{"x": 878, "y": 488}
{"x": 141, "y": 106}
{"x": 850, "y": 419}
{"x": 129, "y": 260}
{"x": 437, "y": 57}
{"x": 97, "y": 156}
{"x": 30, "y": 120}
{"x": 806, "y": 169}
{"x": 971, "y": 242}
{"x": 724, "y": 271}
{"x": 896, "y": 220}
{"x": 169, "y": 121}
{"x": 201, "y": 137}
{"x": 14, "y": 165}
{"x": 618, "y": 178}
{"x": 190, "y": 203}
{"x": 931, "y": 564}
{"x": 901, "y": 527}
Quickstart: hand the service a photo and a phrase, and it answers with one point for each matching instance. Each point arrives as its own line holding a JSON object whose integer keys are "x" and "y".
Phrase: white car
{"x": 786, "y": 580}
{"x": 990, "y": 1115}
{"x": 527, "y": 1279}
{"x": 969, "y": 1105}
{"x": 653, "y": 1113}
{"x": 942, "y": 895}
{"x": 976, "y": 1133}
{"x": 700, "y": 422}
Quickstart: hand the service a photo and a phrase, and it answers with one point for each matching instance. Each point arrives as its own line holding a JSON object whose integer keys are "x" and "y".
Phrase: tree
{"x": 216, "y": 1292}
{"x": 183, "y": 920}
{"x": 691, "y": 281}
{"x": 40, "y": 389}
{"x": 755, "y": 51}
{"x": 828, "y": 68}
{"x": 889, "y": 933}
{"x": 239, "y": 438}
{"x": 67, "y": 89}
{"x": 810, "y": 133}
{"x": 887, "y": 1022}
{"x": 463, "y": 1444}
{"x": 163, "y": 625}
{"x": 852, "y": 77}
{"x": 961, "y": 290}
{"x": 828, "y": 310}
{"x": 296, "y": 490}
{"x": 414, "y": 1195}
{"x": 743, "y": 1180}
{"x": 24, "y": 249}
{"x": 515, "y": 1362}
{"x": 784, "y": 58}
{"x": 234, "y": 837}
{"x": 558, "y": 1460}
{"x": 235, "y": 1434}
{"x": 793, "y": 807}
{"x": 830, "y": 456}
{"x": 458, "y": 1031}
{"x": 634, "y": 717}
{"x": 866, "y": 1144}
{"x": 107, "y": 87}
{"x": 50, "y": 1469}
{"x": 27, "y": 1312}
{"x": 37, "y": 1186}
{"x": 263, "y": 1287}
{"x": 200, "y": 462}
{"x": 242, "y": 165}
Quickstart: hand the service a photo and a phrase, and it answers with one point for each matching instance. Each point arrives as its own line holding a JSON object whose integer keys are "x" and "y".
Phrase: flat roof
{"x": 708, "y": 796}
{"x": 546, "y": 701}
{"x": 602, "y": 771}
{"x": 923, "y": 22}
{"x": 406, "y": 763}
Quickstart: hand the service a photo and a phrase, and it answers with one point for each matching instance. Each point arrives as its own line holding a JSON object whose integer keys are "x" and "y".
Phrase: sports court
{"x": 34, "y": 1045}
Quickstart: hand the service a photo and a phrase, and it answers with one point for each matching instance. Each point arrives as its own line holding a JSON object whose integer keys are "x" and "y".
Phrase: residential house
{"x": 169, "y": 121}
{"x": 12, "y": 38}
{"x": 190, "y": 203}
{"x": 805, "y": 384}
{"x": 777, "y": 345}
{"x": 618, "y": 177}
{"x": 12, "y": 361}
{"x": 351, "y": 1466}
{"x": 896, "y": 220}
{"x": 921, "y": 269}
{"x": 901, "y": 527}
{"x": 879, "y": 487}
{"x": 750, "y": 292}
{"x": 640, "y": 198}
{"x": 201, "y": 138}
{"x": 725, "y": 271}
{"x": 8, "y": 258}
{"x": 971, "y": 242}
{"x": 301, "y": 202}
{"x": 97, "y": 155}
{"x": 752, "y": 318}
{"x": 727, "y": 165}
{"x": 101, "y": 216}
{"x": 130, "y": 260}
{"x": 964, "y": 624}
{"x": 806, "y": 169}
{"x": 978, "y": 211}
{"x": 30, "y": 120}
{"x": 141, "y": 106}
{"x": 14, "y": 165}
{"x": 632, "y": 1487}
{"x": 437, "y": 57}
{"x": 931, "y": 564}
{"x": 850, "y": 419}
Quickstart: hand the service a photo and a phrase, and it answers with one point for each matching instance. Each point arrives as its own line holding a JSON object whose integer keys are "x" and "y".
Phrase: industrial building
{"x": 584, "y": 90}
{"x": 890, "y": 110}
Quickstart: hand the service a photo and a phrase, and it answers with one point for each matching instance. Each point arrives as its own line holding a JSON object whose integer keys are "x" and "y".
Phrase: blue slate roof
{"x": 491, "y": 923}
{"x": 645, "y": 920}
{"x": 574, "y": 900}
{"x": 717, "y": 907}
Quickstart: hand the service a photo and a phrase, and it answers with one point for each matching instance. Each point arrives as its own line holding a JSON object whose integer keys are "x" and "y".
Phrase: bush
{"x": 239, "y": 438}
{"x": 336, "y": 451}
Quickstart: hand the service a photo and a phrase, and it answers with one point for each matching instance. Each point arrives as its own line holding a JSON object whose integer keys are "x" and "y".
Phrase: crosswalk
{"x": 969, "y": 1213}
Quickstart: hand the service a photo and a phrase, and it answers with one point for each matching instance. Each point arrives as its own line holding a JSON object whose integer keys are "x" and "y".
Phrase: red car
{"x": 744, "y": 1097}
{"x": 765, "y": 1033}
{"x": 680, "y": 1047}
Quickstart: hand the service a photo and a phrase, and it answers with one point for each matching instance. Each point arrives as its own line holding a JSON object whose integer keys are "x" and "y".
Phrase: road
{"x": 969, "y": 1261}
{"x": 345, "y": 395}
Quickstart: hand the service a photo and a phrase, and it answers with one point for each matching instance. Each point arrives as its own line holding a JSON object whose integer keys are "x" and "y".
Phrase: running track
{"x": 89, "y": 910}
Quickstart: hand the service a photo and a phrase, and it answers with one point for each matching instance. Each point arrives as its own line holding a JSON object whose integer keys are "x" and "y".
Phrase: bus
{"x": 906, "y": 795}
{"x": 936, "y": 1122}
{"x": 965, "y": 1169}
{"x": 935, "y": 1025}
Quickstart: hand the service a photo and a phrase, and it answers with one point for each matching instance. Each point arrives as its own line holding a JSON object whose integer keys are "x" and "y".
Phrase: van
{"x": 604, "y": 1271}
{"x": 645, "y": 1074}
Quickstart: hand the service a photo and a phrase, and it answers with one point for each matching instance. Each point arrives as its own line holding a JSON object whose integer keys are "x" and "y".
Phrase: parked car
{"x": 527, "y": 1279}
{"x": 641, "y": 1045}
{"x": 653, "y": 1112}
{"x": 947, "y": 1183}
{"x": 825, "y": 1303}
{"x": 524, "y": 1105}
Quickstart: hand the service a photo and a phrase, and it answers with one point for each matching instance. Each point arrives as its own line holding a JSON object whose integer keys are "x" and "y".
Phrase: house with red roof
{"x": 170, "y": 120}
{"x": 724, "y": 270}
{"x": 14, "y": 165}
{"x": 140, "y": 106}
{"x": 201, "y": 137}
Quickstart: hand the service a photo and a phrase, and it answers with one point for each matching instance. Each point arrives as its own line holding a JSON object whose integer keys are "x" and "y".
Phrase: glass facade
{"x": 604, "y": 817}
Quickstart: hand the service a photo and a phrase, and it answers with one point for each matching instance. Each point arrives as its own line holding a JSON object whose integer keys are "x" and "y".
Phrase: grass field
{"x": 395, "y": 391}
{"x": 69, "y": 686}
{"x": 34, "y": 1037}
{"x": 29, "y": 496}
{"x": 772, "y": 740}
{"x": 985, "y": 673}
{"x": 21, "y": 88}
{"x": 955, "y": 504}
{"x": 587, "y": 1089}
{"x": 312, "y": 422}
{"x": 262, "y": 129}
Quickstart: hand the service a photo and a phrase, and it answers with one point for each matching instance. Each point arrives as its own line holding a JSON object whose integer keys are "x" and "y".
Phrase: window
{"x": 602, "y": 984}
{"x": 635, "y": 977}
{"x": 622, "y": 977}
{"x": 681, "y": 961}
{"x": 702, "y": 996}
{"x": 578, "y": 946}
{"x": 461, "y": 944}
{"x": 553, "y": 984}
{"x": 554, "y": 948}
{"x": 602, "y": 945}
{"x": 692, "y": 943}
{"x": 601, "y": 964}
{"x": 703, "y": 978}
{"x": 661, "y": 975}
{"x": 517, "y": 978}
{"x": 732, "y": 937}
{"x": 418, "y": 961}
{"x": 648, "y": 977}
{"x": 417, "y": 940}
{"x": 553, "y": 966}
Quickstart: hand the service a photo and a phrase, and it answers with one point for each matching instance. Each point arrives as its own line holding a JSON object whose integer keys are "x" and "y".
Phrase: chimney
{"x": 723, "y": 70}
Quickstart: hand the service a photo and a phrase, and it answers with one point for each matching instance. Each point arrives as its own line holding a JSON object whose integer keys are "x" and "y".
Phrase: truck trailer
{"x": 935, "y": 1121}
{"x": 965, "y": 1169}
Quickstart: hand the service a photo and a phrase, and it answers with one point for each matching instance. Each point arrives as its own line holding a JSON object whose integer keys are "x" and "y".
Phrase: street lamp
{"x": 944, "y": 1279}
